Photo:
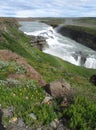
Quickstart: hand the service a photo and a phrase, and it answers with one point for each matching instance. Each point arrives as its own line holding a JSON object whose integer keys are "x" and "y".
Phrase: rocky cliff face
{"x": 80, "y": 35}
{"x": 38, "y": 41}
{"x": 6, "y": 23}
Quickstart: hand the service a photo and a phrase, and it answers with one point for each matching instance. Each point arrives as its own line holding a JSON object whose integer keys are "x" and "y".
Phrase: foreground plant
{"x": 81, "y": 115}
{"x": 26, "y": 99}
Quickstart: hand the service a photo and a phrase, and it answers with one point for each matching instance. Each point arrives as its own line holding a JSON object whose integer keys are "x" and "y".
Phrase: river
{"x": 60, "y": 46}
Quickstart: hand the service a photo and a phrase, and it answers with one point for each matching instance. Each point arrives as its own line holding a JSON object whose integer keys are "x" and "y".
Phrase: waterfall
{"x": 90, "y": 62}
{"x": 61, "y": 46}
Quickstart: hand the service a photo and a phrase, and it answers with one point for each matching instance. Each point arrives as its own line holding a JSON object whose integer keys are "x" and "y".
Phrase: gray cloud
{"x": 48, "y": 8}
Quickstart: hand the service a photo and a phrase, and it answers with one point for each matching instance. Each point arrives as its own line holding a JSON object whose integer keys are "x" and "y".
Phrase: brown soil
{"x": 31, "y": 72}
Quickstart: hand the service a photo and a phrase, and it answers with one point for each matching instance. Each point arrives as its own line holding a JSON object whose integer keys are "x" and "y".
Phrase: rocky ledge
{"x": 38, "y": 41}
{"x": 83, "y": 35}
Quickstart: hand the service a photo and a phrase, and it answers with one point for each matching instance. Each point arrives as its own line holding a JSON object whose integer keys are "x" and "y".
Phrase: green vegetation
{"x": 86, "y": 20}
{"x": 28, "y": 96}
{"x": 11, "y": 67}
{"x": 89, "y": 30}
{"x": 53, "y": 21}
{"x": 81, "y": 115}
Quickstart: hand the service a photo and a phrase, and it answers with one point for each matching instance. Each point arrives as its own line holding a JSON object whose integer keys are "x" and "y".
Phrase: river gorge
{"x": 61, "y": 46}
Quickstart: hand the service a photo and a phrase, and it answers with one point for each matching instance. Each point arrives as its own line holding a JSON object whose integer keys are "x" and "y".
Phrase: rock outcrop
{"x": 58, "y": 88}
{"x": 38, "y": 41}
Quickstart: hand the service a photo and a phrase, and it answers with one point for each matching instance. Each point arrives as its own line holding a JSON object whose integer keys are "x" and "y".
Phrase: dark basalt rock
{"x": 93, "y": 79}
{"x": 38, "y": 41}
{"x": 1, "y": 125}
{"x": 80, "y": 36}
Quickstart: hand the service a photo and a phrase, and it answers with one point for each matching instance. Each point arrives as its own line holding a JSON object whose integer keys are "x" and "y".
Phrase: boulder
{"x": 93, "y": 79}
{"x": 8, "y": 112}
{"x": 17, "y": 124}
{"x": 58, "y": 88}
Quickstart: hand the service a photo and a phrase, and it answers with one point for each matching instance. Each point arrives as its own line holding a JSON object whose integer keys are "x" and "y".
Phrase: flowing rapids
{"x": 61, "y": 46}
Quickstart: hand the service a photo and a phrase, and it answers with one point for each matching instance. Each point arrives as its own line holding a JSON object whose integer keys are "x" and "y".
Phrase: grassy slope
{"x": 49, "y": 67}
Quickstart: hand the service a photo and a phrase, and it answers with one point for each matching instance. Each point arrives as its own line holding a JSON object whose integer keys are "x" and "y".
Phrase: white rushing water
{"x": 61, "y": 46}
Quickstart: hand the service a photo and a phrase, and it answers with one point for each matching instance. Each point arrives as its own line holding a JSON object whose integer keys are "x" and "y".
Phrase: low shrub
{"x": 81, "y": 115}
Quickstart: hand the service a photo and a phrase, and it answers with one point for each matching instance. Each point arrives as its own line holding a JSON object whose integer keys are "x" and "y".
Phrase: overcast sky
{"x": 48, "y": 8}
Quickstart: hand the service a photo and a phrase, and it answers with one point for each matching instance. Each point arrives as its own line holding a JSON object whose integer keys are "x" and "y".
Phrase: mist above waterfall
{"x": 61, "y": 46}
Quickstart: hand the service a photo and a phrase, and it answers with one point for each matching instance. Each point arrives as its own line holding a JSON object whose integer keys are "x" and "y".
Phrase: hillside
{"x": 23, "y": 69}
